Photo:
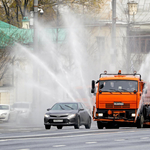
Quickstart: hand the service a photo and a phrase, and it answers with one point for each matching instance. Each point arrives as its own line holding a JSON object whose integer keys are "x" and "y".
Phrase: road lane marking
{"x": 46, "y": 136}
{"x": 25, "y": 131}
{"x": 90, "y": 142}
{"x": 58, "y": 145}
{"x": 24, "y": 149}
{"x": 118, "y": 140}
{"x": 143, "y": 138}
{"x": 3, "y": 140}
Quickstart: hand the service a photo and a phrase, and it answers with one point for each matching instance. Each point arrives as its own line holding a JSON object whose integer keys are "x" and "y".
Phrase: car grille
{"x": 111, "y": 105}
{"x": 64, "y": 121}
{"x": 58, "y": 116}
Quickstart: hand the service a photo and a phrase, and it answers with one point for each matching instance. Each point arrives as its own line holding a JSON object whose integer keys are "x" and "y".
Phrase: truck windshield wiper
{"x": 125, "y": 90}
{"x": 68, "y": 106}
{"x": 114, "y": 90}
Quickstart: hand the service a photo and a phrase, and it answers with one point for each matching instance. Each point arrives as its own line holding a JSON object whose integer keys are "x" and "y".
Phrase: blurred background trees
{"x": 13, "y": 11}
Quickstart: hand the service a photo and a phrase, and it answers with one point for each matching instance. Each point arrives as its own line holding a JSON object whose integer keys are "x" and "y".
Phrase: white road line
{"x": 90, "y": 142}
{"x": 24, "y": 149}
{"x": 143, "y": 138}
{"x": 119, "y": 140}
{"x": 12, "y": 129}
{"x": 58, "y": 145}
{"x": 3, "y": 140}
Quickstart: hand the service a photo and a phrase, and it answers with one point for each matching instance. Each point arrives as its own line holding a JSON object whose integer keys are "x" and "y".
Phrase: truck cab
{"x": 117, "y": 100}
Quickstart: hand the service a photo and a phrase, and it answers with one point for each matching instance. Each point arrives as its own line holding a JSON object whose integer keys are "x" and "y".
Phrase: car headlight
{"x": 46, "y": 115}
{"x": 24, "y": 111}
{"x": 71, "y": 116}
{"x": 4, "y": 114}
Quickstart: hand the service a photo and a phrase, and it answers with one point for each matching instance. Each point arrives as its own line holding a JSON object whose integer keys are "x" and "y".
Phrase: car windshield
{"x": 4, "y": 107}
{"x": 21, "y": 105}
{"x": 118, "y": 86}
{"x": 65, "y": 106}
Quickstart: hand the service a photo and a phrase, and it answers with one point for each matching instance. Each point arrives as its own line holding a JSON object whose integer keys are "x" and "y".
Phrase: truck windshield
{"x": 118, "y": 86}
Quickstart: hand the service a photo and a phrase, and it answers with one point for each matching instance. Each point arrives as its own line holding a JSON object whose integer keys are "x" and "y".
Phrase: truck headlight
{"x": 100, "y": 114}
{"x": 133, "y": 115}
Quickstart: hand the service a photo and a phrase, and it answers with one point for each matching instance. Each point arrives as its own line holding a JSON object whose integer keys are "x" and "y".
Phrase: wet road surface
{"x": 28, "y": 137}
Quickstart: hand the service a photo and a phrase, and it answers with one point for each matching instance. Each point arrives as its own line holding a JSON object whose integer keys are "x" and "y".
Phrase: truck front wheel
{"x": 140, "y": 121}
{"x": 99, "y": 125}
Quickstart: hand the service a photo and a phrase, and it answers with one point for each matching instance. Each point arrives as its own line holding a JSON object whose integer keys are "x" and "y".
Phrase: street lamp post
{"x": 113, "y": 33}
{"x": 35, "y": 42}
{"x": 36, "y": 70}
{"x": 132, "y": 10}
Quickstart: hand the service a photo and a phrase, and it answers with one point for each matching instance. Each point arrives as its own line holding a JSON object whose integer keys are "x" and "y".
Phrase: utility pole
{"x": 113, "y": 32}
{"x": 35, "y": 26}
{"x": 35, "y": 40}
{"x": 132, "y": 10}
{"x": 128, "y": 47}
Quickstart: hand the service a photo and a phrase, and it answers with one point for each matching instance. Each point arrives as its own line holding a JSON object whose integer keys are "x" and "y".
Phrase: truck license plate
{"x": 57, "y": 120}
{"x": 118, "y": 103}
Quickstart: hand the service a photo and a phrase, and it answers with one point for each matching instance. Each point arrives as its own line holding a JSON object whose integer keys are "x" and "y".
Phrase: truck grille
{"x": 111, "y": 105}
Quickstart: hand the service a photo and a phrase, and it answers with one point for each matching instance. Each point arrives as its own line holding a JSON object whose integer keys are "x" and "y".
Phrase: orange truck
{"x": 119, "y": 102}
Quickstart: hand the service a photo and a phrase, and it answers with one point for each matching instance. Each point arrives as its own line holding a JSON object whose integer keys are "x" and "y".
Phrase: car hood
{"x": 22, "y": 110}
{"x": 4, "y": 111}
{"x": 62, "y": 112}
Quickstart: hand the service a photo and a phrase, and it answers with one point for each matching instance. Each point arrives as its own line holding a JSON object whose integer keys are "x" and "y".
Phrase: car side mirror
{"x": 48, "y": 109}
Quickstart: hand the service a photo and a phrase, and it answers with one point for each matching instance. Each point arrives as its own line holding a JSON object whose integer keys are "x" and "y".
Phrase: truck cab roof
{"x": 120, "y": 77}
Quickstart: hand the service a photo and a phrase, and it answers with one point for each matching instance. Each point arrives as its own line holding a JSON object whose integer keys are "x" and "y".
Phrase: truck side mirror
{"x": 93, "y": 87}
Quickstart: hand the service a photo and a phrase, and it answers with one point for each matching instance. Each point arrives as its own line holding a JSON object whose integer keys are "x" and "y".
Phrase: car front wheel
{"x": 88, "y": 125}
{"x": 47, "y": 127}
{"x": 59, "y": 127}
{"x": 77, "y": 126}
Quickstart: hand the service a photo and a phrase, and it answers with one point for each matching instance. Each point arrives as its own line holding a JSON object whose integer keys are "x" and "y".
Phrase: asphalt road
{"x": 28, "y": 137}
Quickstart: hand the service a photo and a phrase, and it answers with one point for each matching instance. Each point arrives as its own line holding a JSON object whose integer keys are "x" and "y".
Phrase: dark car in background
{"x": 67, "y": 114}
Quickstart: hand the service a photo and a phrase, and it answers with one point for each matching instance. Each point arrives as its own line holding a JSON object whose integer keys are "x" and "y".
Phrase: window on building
{"x": 139, "y": 44}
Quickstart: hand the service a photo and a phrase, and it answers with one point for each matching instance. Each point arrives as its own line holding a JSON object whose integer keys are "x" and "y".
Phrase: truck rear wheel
{"x": 99, "y": 125}
{"x": 140, "y": 121}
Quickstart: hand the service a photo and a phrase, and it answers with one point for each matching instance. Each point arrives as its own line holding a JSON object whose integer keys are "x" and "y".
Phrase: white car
{"x": 4, "y": 112}
{"x": 22, "y": 109}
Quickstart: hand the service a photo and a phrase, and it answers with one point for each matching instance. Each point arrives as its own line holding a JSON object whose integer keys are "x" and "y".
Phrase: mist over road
{"x": 29, "y": 137}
